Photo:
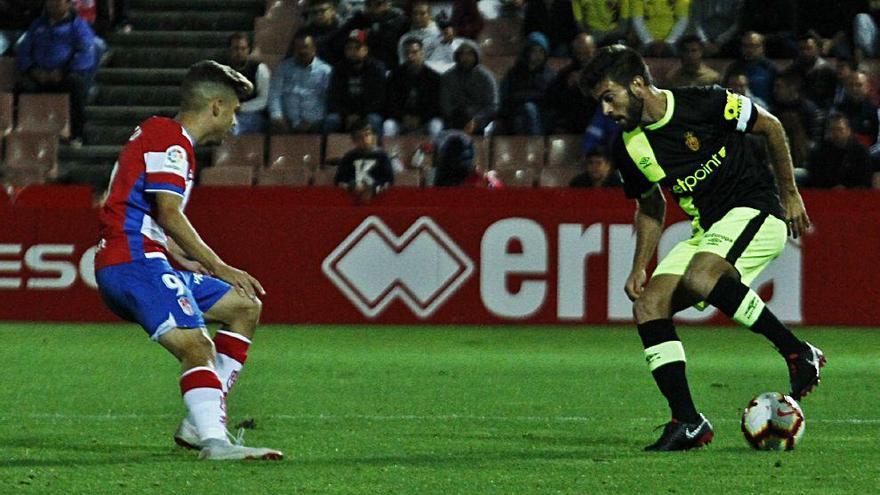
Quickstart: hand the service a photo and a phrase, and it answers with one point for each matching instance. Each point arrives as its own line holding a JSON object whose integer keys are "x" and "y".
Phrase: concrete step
{"x": 176, "y": 39}
{"x": 130, "y": 115}
{"x": 140, "y": 76}
{"x": 257, "y": 7}
{"x": 191, "y": 20}
{"x": 154, "y": 95}
{"x": 107, "y": 134}
{"x": 180, "y": 58}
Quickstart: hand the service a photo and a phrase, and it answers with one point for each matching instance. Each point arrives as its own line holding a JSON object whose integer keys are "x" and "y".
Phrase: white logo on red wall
{"x": 373, "y": 266}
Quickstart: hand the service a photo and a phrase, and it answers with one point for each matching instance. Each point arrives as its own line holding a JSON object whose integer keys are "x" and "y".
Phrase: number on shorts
{"x": 173, "y": 283}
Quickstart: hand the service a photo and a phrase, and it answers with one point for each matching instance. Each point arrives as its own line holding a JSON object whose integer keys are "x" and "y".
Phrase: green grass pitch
{"x": 417, "y": 410}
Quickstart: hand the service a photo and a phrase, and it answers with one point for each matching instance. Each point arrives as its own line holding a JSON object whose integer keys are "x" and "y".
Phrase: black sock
{"x": 670, "y": 377}
{"x": 730, "y": 295}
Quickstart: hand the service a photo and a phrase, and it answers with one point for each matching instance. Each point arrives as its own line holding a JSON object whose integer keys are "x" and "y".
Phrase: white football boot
{"x": 187, "y": 436}
{"x": 216, "y": 449}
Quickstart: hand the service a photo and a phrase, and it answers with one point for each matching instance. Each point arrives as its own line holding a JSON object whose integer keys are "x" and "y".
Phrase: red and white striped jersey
{"x": 158, "y": 157}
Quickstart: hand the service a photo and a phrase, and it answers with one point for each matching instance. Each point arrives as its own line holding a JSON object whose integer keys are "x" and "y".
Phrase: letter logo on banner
{"x": 373, "y": 266}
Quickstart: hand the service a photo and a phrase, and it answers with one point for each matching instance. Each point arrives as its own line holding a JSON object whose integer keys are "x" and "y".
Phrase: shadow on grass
{"x": 56, "y": 451}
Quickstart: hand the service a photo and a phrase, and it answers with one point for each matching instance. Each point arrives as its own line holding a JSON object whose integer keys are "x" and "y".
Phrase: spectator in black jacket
{"x": 820, "y": 78}
{"x": 366, "y": 168}
{"x": 357, "y": 87}
{"x": 857, "y": 107}
{"x": 840, "y": 161}
{"x": 413, "y": 103}
{"x": 384, "y": 26}
{"x": 801, "y": 118}
{"x": 570, "y": 110}
{"x": 323, "y": 26}
{"x": 524, "y": 88}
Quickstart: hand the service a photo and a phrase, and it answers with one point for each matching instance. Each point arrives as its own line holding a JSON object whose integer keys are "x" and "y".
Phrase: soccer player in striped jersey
{"x": 692, "y": 142}
{"x": 142, "y": 224}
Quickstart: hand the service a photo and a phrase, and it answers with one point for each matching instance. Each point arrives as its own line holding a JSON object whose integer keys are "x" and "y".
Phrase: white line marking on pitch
{"x": 374, "y": 417}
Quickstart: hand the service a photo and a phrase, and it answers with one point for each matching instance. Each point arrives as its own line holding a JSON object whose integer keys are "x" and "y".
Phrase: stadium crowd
{"x": 428, "y": 67}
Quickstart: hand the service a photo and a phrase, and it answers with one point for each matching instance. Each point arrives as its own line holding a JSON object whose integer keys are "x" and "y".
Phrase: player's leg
{"x": 742, "y": 244}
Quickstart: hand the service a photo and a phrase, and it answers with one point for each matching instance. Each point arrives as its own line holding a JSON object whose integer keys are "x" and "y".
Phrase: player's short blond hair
{"x": 207, "y": 80}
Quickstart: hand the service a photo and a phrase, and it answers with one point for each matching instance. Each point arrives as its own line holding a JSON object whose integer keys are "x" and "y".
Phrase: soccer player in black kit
{"x": 692, "y": 142}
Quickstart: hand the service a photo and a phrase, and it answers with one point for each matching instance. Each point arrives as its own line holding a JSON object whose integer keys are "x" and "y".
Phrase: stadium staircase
{"x": 144, "y": 71}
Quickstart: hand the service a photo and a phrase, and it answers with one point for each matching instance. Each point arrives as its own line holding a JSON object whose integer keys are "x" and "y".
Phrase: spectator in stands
{"x": 832, "y": 22}
{"x": 599, "y": 172}
{"x": 571, "y": 110}
{"x": 843, "y": 70}
{"x": 692, "y": 71}
{"x": 716, "y": 22}
{"x": 366, "y": 168}
{"x": 383, "y": 25}
{"x": 443, "y": 57}
{"x": 776, "y": 21}
{"x": 251, "y": 116}
{"x": 57, "y": 54}
{"x": 738, "y": 82}
{"x": 761, "y": 72}
{"x": 469, "y": 86}
{"x": 298, "y": 92}
{"x": 524, "y": 89}
{"x": 455, "y": 153}
{"x": 859, "y": 110}
{"x": 466, "y": 18}
{"x": 422, "y": 28}
{"x": 659, "y": 27}
{"x": 866, "y": 35}
{"x": 801, "y": 118}
{"x": 818, "y": 74}
{"x": 323, "y": 26}
{"x": 552, "y": 18}
{"x": 15, "y": 17}
{"x": 413, "y": 103}
{"x": 839, "y": 161}
{"x": 357, "y": 87}
{"x": 607, "y": 22}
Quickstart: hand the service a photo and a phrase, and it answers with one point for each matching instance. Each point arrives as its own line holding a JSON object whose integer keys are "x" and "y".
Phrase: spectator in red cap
{"x": 357, "y": 87}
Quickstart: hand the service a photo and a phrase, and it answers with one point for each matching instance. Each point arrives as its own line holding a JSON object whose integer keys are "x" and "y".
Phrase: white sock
{"x": 203, "y": 397}
{"x": 232, "y": 351}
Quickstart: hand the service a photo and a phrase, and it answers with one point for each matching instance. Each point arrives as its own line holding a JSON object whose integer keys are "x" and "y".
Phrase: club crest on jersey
{"x": 186, "y": 306}
{"x": 692, "y": 142}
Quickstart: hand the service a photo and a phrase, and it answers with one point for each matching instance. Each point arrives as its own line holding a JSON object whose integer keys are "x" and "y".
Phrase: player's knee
{"x": 647, "y": 307}
{"x": 698, "y": 281}
{"x": 252, "y": 309}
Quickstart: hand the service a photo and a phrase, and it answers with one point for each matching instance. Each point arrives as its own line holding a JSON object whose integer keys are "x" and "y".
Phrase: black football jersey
{"x": 699, "y": 152}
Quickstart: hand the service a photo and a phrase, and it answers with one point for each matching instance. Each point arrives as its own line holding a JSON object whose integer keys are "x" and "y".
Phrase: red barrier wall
{"x": 434, "y": 256}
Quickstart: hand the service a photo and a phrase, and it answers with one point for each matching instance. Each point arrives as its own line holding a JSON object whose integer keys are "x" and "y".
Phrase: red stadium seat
{"x": 324, "y": 177}
{"x": 408, "y": 178}
{"x": 564, "y": 150}
{"x": 44, "y": 112}
{"x": 557, "y": 176}
{"x": 272, "y": 35}
{"x": 8, "y": 74}
{"x": 405, "y": 149}
{"x": 240, "y": 151}
{"x": 227, "y": 176}
{"x": 337, "y": 146}
{"x": 30, "y": 157}
{"x": 524, "y": 177}
{"x": 302, "y": 150}
{"x": 517, "y": 152}
{"x": 284, "y": 176}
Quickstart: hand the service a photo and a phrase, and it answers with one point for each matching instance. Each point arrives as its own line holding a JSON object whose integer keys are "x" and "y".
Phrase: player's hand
{"x": 244, "y": 283}
{"x": 635, "y": 284}
{"x": 193, "y": 266}
{"x": 796, "y": 218}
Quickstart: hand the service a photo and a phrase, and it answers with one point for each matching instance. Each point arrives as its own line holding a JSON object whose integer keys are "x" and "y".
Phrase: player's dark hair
{"x": 617, "y": 63}
{"x": 241, "y": 35}
{"x": 206, "y": 80}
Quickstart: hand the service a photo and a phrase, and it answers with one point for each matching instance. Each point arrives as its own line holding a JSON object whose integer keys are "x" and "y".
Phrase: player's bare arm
{"x": 795, "y": 213}
{"x": 178, "y": 227}
{"x": 183, "y": 259}
{"x": 649, "y": 218}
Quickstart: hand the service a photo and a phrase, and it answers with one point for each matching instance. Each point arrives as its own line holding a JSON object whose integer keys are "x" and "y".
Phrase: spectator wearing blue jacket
{"x": 57, "y": 54}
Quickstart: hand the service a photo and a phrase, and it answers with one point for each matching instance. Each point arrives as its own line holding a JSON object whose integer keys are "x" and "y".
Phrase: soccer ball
{"x": 773, "y": 421}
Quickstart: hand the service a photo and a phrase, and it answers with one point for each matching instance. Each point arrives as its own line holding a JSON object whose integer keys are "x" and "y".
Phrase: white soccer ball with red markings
{"x": 773, "y": 421}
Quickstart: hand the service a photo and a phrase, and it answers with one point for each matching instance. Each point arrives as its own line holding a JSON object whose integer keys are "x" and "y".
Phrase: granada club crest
{"x": 692, "y": 142}
{"x": 186, "y": 306}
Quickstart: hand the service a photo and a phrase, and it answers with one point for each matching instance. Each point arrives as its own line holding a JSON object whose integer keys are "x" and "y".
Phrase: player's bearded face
{"x": 633, "y": 111}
